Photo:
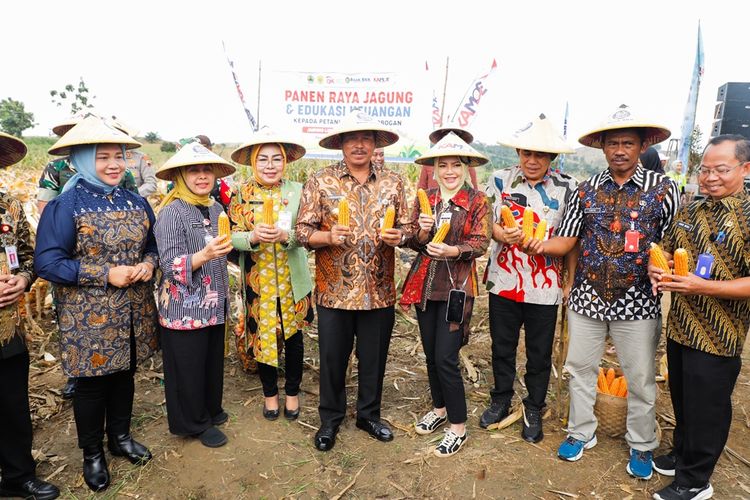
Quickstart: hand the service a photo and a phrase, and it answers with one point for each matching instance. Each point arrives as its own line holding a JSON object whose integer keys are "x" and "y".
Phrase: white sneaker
{"x": 430, "y": 422}
{"x": 450, "y": 444}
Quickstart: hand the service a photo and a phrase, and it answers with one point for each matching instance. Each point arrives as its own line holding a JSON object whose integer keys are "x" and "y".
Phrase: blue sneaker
{"x": 641, "y": 464}
{"x": 572, "y": 449}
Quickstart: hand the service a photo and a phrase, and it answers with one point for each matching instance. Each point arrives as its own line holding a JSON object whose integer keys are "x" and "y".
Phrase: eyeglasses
{"x": 276, "y": 161}
{"x": 720, "y": 171}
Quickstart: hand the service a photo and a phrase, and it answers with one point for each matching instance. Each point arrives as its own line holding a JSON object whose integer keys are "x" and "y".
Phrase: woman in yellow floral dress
{"x": 276, "y": 283}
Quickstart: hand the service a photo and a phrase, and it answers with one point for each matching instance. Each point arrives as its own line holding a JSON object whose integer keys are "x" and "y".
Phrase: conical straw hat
{"x": 12, "y": 150}
{"x": 624, "y": 117}
{"x": 358, "y": 121}
{"x": 194, "y": 153}
{"x": 538, "y": 135}
{"x": 441, "y": 132}
{"x": 265, "y": 135}
{"x": 92, "y": 130}
{"x": 453, "y": 145}
{"x": 62, "y": 128}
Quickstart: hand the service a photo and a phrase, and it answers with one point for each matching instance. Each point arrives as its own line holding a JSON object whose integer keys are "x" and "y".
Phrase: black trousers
{"x": 193, "y": 377}
{"x": 294, "y": 351}
{"x": 441, "y": 348}
{"x": 105, "y": 398}
{"x": 16, "y": 462}
{"x": 506, "y": 318}
{"x": 701, "y": 386}
{"x": 336, "y": 331}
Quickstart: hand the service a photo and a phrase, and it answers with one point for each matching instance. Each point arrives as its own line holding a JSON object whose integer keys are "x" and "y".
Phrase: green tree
{"x": 168, "y": 147}
{"x": 77, "y": 97}
{"x": 696, "y": 150}
{"x": 152, "y": 137}
{"x": 13, "y": 117}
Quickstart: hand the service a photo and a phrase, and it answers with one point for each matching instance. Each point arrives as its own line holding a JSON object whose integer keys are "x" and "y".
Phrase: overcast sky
{"x": 160, "y": 66}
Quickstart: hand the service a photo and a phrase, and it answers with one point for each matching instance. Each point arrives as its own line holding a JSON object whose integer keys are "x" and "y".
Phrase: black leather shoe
{"x": 33, "y": 488}
{"x": 495, "y": 413}
{"x": 325, "y": 438}
{"x": 95, "y": 471}
{"x": 219, "y": 419}
{"x": 124, "y": 445}
{"x": 376, "y": 429}
{"x": 70, "y": 389}
{"x": 291, "y": 414}
{"x": 532, "y": 425}
{"x": 270, "y": 414}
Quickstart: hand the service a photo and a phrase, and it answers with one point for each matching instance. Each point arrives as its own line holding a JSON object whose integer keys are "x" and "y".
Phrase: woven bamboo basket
{"x": 611, "y": 413}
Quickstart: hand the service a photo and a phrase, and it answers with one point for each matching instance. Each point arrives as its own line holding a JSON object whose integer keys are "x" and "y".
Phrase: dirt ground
{"x": 277, "y": 459}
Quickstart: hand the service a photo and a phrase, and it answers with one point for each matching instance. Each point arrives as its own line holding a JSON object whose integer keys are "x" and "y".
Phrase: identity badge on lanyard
{"x": 632, "y": 235}
{"x": 11, "y": 256}
{"x": 445, "y": 216}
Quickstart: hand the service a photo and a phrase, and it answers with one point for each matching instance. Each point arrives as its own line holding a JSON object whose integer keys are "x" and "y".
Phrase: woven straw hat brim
{"x": 293, "y": 150}
{"x": 359, "y": 122}
{"x": 383, "y": 138}
{"x": 194, "y": 154}
{"x": 91, "y": 130}
{"x": 453, "y": 145}
{"x": 652, "y": 134}
{"x": 538, "y": 135}
{"x": 624, "y": 118}
{"x": 439, "y": 133}
{"x": 12, "y": 150}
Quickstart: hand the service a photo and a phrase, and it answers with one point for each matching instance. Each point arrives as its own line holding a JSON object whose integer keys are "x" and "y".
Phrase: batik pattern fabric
{"x": 14, "y": 234}
{"x": 82, "y": 234}
{"x": 59, "y": 171}
{"x": 510, "y": 272}
{"x": 267, "y": 280}
{"x": 190, "y": 299}
{"x": 610, "y": 283}
{"x": 720, "y": 228}
{"x": 357, "y": 275}
{"x": 470, "y": 231}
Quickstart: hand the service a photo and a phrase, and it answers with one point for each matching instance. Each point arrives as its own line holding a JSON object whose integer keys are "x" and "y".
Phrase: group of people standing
{"x": 101, "y": 245}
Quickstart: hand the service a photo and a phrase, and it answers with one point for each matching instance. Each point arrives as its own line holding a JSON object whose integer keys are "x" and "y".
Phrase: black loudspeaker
{"x": 732, "y": 112}
{"x": 734, "y": 91}
{"x": 734, "y": 127}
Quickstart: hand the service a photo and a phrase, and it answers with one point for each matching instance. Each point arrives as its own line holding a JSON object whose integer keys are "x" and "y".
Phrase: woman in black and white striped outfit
{"x": 193, "y": 294}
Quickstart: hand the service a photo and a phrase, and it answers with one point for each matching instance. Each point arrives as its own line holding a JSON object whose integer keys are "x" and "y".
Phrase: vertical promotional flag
{"x": 688, "y": 121}
{"x": 250, "y": 117}
{"x": 561, "y": 164}
{"x": 437, "y": 119}
{"x": 469, "y": 105}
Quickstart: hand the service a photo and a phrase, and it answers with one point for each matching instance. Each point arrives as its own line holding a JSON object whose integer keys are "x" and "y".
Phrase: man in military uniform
{"x": 139, "y": 165}
{"x": 16, "y": 275}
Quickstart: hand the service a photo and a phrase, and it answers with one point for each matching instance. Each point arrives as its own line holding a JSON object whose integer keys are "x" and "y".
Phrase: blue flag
{"x": 688, "y": 122}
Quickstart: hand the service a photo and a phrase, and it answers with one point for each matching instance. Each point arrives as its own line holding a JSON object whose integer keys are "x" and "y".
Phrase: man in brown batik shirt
{"x": 354, "y": 287}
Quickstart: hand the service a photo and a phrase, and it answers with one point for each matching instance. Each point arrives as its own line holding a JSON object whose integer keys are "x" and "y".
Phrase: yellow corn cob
{"x": 658, "y": 259}
{"x": 508, "y": 220}
{"x": 424, "y": 202}
{"x": 541, "y": 230}
{"x": 441, "y": 233}
{"x": 390, "y": 216}
{"x": 528, "y": 224}
{"x": 224, "y": 225}
{"x": 681, "y": 262}
{"x": 268, "y": 211}
{"x": 344, "y": 212}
